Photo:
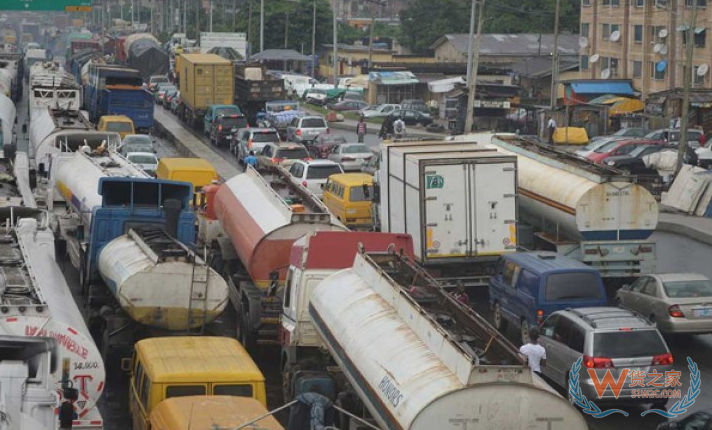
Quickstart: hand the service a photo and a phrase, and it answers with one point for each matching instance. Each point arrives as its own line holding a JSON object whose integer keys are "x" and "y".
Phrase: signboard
{"x": 47, "y": 5}
{"x": 492, "y": 104}
{"x": 434, "y": 181}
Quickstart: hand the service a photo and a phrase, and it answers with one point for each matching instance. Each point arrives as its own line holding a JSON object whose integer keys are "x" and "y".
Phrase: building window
{"x": 613, "y": 65}
{"x": 639, "y": 3}
{"x": 700, "y": 3}
{"x": 604, "y": 63}
{"x": 700, "y": 37}
{"x": 585, "y": 2}
{"x": 661, "y": 4}
{"x": 608, "y": 29}
{"x": 638, "y": 33}
{"x": 584, "y": 29}
{"x": 584, "y": 62}
{"x": 697, "y": 79}
{"x": 655, "y": 33}
{"x": 655, "y": 74}
{"x": 637, "y": 69}
{"x": 611, "y": 2}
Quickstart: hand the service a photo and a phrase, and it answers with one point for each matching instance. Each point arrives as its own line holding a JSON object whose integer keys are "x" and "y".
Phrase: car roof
{"x": 352, "y": 178}
{"x": 312, "y": 117}
{"x": 319, "y": 162}
{"x": 262, "y": 130}
{"x": 609, "y": 317}
{"x": 283, "y": 145}
{"x": 544, "y": 262}
{"x": 128, "y": 154}
{"x": 673, "y": 277}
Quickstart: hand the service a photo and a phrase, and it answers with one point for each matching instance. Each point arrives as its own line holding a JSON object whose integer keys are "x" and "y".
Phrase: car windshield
{"x": 142, "y": 159}
{"x": 639, "y": 150}
{"x": 159, "y": 79}
{"x": 635, "y": 132}
{"x": 593, "y": 145}
{"x": 573, "y": 285}
{"x": 322, "y": 172}
{"x": 607, "y": 147}
{"x": 236, "y": 122}
{"x": 628, "y": 344}
{"x": 354, "y": 149}
{"x": 265, "y": 136}
{"x": 137, "y": 147}
{"x": 165, "y": 89}
{"x": 136, "y": 138}
{"x": 358, "y": 194}
{"x": 119, "y": 126}
{"x": 292, "y": 153}
{"x": 317, "y": 91}
{"x": 313, "y": 123}
{"x": 688, "y": 289}
{"x": 332, "y": 138}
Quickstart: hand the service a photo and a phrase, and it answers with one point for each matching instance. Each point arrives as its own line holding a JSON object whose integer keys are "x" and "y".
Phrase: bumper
{"x": 351, "y": 165}
{"x": 685, "y": 325}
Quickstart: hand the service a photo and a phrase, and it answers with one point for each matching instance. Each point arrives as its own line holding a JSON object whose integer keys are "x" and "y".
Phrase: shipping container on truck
{"x": 253, "y": 88}
{"x": 457, "y": 201}
{"x": 204, "y": 80}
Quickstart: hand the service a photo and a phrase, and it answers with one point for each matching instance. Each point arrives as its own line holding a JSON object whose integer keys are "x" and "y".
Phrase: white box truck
{"x": 457, "y": 201}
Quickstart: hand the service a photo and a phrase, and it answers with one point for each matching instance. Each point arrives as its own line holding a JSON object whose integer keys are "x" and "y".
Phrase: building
{"x": 353, "y": 59}
{"x": 645, "y": 41}
{"x": 503, "y": 49}
{"x": 356, "y": 9}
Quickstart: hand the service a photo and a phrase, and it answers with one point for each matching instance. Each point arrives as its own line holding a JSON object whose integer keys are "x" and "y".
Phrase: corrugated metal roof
{"x": 279, "y": 54}
{"x": 514, "y": 44}
{"x": 545, "y": 261}
{"x": 603, "y": 87}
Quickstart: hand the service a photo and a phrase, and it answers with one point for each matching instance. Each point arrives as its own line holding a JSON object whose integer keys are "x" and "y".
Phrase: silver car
{"x": 306, "y": 128}
{"x": 351, "y": 156}
{"x": 675, "y": 302}
{"x": 607, "y": 339}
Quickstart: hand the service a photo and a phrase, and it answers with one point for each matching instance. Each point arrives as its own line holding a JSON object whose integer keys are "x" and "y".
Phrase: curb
{"x": 686, "y": 231}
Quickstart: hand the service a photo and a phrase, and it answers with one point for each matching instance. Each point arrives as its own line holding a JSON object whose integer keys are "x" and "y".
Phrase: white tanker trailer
{"x": 50, "y": 86}
{"x": 420, "y": 360}
{"x": 36, "y": 301}
{"x": 8, "y": 115}
{"x": 126, "y": 233}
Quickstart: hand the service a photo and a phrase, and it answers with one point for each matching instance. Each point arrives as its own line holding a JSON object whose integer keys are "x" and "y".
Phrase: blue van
{"x": 528, "y": 286}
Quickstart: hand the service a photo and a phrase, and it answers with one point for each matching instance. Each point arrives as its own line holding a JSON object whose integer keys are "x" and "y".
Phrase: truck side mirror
{"x": 366, "y": 191}
{"x": 376, "y": 193}
{"x": 126, "y": 364}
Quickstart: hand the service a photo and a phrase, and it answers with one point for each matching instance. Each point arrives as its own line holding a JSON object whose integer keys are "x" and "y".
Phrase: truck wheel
{"x": 287, "y": 394}
{"x": 499, "y": 323}
{"x": 524, "y": 331}
{"x": 247, "y": 338}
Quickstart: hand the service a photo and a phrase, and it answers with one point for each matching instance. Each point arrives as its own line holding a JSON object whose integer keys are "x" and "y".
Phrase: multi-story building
{"x": 645, "y": 40}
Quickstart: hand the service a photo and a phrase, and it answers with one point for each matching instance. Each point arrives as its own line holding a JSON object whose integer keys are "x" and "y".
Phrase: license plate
{"x": 705, "y": 312}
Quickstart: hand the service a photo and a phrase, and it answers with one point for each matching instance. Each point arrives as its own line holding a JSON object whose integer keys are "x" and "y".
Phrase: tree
{"x": 424, "y": 21}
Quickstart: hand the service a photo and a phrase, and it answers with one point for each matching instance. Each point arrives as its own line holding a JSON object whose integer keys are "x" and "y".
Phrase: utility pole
{"x": 211, "y": 16}
{"x": 313, "y": 47}
{"x": 555, "y": 58}
{"x": 471, "y": 39}
{"x": 262, "y": 25}
{"x": 370, "y": 37}
{"x": 687, "y": 82}
{"x": 335, "y": 59}
{"x": 472, "y": 83}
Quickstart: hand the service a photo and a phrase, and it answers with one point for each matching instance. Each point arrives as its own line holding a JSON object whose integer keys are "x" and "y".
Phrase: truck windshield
{"x": 573, "y": 285}
{"x": 357, "y": 194}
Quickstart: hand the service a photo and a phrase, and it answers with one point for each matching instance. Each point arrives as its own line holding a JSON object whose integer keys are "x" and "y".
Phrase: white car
{"x": 146, "y": 161}
{"x": 379, "y": 111}
{"x": 316, "y": 96}
{"x": 313, "y": 174}
{"x": 351, "y": 156}
{"x": 704, "y": 155}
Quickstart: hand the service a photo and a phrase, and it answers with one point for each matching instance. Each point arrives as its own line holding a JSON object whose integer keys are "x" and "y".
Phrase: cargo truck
{"x": 254, "y": 87}
{"x": 142, "y": 51}
{"x": 410, "y": 356}
{"x": 458, "y": 201}
{"x": 116, "y": 90}
{"x": 204, "y": 80}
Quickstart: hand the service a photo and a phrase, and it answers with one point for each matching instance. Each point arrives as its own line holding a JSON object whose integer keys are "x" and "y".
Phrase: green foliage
{"x": 424, "y": 21}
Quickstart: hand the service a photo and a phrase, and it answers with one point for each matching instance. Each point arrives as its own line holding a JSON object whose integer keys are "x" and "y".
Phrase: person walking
{"x": 386, "y": 128}
{"x": 361, "y": 129}
{"x": 532, "y": 353}
{"x": 251, "y": 159}
{"x": 399, "y": 128}
{"x": 551, "y": 127}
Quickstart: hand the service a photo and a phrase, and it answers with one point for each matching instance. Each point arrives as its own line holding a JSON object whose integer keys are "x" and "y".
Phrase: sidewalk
{"x": 693, "y": 227}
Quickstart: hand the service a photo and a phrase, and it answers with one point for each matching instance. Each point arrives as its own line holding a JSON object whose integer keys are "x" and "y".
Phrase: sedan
{"x": 175, "y": 102}
{"x": 168, "y": 97}
{"x": 632, "y": 163}
{"x": 630, "y": 133}
{"x": 700, "y": 420}
{"x": 411, "y": 117}
{"x": 675, "y": 302}
{"x": 379, "y": 111}
{"x": 595, "y": 144}
{"x": 618, "y": 147}
{"x": 351, "y": 156}
{"x": 161, "y": 92}
{"x": 322, "y": 145}
{"x": 348, "y": 105}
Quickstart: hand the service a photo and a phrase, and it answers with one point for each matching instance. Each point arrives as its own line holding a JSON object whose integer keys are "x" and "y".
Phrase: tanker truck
{"x": 8, "y": 116}
{"x": 416, "y": 358}
{"x": 36, "y": 301}
{"x": 130, "y": 237}
{"x": 51, "y": 86}
{"x": 144, "y": 52}
{"x": 249, "y": 225}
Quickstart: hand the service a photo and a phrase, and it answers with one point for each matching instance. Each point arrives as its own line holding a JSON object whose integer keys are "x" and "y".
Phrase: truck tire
{"x": 499, "y": 322}
{"x": 524, "y": 331}
{"x": 247, "y": 337}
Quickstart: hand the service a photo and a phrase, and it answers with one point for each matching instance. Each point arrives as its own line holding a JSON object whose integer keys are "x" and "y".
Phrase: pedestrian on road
{"x": 399, "y": 128}
{"x": 460, "y": 294}
{"x": 361, "y": 129}
{"x": 251, "y": 159}
{"x": 386, "y": 128}
{"x": 532, "y": 353}
{"x": 551, "y": 127}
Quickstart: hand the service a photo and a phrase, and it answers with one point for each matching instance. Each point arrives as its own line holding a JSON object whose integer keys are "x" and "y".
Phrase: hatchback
{"x": 306, "y": 128}
{"x": 351, "y": 156}
{"x": 675, "y": 302}
{"x": 313, "y": 174}
{"x": 281, "y": 154}
{"x": 251, "y": 139}
{"x": 606, "y": 339}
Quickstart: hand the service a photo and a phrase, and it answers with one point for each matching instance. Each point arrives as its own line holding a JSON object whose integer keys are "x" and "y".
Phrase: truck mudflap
{"x": 614, "y": 259}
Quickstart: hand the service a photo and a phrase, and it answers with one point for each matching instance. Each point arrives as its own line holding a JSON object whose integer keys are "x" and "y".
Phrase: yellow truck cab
{"x": 194, "y": 170}
{"x": 210, "y": 412}
{"x": 178, "y": 366}
{"x": 119, "y": 123}
{"x": 348, "y": 196}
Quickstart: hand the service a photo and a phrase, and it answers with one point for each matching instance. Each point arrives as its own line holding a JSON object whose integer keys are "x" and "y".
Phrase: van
{"x": 165, "y": 367}
{"x": 527, "y": 287}
{"x": 348, "y": 196}
{"x": 118, "y": 123}
{"x": 210, "y": 412}
{"x": 197, "y": 171}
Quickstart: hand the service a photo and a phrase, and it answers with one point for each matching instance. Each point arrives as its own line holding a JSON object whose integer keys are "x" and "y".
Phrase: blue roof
{"x": 617, "y": 88}
{"x": 543, "y": 262}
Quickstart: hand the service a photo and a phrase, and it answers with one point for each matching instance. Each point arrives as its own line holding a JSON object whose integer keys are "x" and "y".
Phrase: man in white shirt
{"x": 551, "y": 127}
{"x": 533, "y": 353}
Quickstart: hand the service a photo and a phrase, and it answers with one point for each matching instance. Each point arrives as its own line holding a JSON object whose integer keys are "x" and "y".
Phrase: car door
{"x": 633, "y": 298}
{"x": 510, "y": 301}
{"x": 265, "y": 156}
{"x": 557, "y": 356}
{"x": 650, "y": 299}
{"x": 554, "y": 364}
{"x": 335, "y": 154}
{"x": 411, "y": 117}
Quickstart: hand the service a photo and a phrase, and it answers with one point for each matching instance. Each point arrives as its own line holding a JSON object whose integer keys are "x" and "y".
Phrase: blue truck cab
{"x": 214, "y": 111}
{"x": 528, "y": 286}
